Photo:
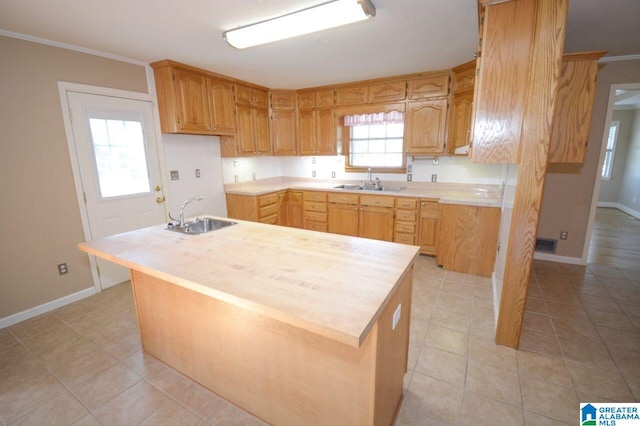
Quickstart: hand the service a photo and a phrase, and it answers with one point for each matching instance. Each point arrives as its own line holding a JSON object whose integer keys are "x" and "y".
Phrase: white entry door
{"x": 117, "y": 156}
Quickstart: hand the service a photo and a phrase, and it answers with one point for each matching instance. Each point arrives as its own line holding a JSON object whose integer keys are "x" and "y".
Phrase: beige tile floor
{"x": 82, "y": 364}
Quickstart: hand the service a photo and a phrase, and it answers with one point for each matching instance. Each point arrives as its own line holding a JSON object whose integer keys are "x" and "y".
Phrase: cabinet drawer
{"x": 430, "y": 210}
{"x": 268, "y": 210}
{"x": 406, "y": 203}
{"x": 377, "y": 200}
{"x": 406, "y": 215}
{"x": 404, "y": 238}
{"x": 343, "y": 198}
{"x": 315, "y": 196}
{"x": 315, "y": 226}
{"x": 315, "y": 216}
{"x": 271, "y": 220}
{"x": 311, "y": 206}
{"x": 405, "y": 227}
{"x": 265, "y": 200}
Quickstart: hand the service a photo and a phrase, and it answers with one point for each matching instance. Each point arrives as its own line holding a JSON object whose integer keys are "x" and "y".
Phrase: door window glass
{"x": 120, "y": 156}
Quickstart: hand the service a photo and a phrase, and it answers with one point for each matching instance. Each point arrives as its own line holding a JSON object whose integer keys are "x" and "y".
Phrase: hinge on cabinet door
{"x": 70, "y": 115}
{"x": 84, "y": 197}
{"x": 98, "y": 270}
{"x": 173, "y": 77}
{"x": 498, "y": 247}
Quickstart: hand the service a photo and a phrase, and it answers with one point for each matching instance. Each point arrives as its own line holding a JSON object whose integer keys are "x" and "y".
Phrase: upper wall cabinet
{"x": 316, "y": 124}
{"x": 428, "y": 87}
{"x": 461, "y": 109}
{"x": 252, "y": 137}
{"x": 574, "y": 104}
{"x": 192, "y": 102}
{"x": 425, "y": 127}
{"x": 282, "y": 114}
{"x": 389, "y": 91}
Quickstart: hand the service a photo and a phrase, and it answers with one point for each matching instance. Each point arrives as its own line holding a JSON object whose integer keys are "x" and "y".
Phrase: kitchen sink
{"x": 200, "y": 226}
{"x": 370, "y": 188}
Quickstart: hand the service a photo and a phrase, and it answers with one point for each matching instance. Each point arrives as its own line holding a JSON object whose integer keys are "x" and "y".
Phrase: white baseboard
{"x": 559, "y": 259}
{"x": 621, "y": 207}
{"x": 46, "y": 307}
{"x": 497, "y": 294}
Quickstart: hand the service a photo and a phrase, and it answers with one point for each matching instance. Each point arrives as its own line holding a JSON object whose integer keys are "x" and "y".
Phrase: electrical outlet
{"x": 564, "y": 235}
{"x": 235, "y": 163}
{"x": 313, "y": 173}
{"x": 313, "y": 160}
{"x": 409, "y": 168}
{"x": 235, "y": 178}
{"x": 198, "y": 173}
{"x": 434, "y": 177}
{"x": 333, "y": 175}
{"x": 253, "y": 176}
{"x": 396, "y": 317}
{"x": 174, "y": 175}
{"x": 62, "y": 269}
{"x": 408, "y": 177}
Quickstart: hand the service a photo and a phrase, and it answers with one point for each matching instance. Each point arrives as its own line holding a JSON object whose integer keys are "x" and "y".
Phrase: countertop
{"x": 332, "y": 285}
{"x": 445, "y": 193}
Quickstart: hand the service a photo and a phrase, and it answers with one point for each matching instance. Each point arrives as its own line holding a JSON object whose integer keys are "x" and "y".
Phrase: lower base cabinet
{"x": 468, "y": 240}
{"x": 429, "y": 226}
{"x": 291, "y": 209}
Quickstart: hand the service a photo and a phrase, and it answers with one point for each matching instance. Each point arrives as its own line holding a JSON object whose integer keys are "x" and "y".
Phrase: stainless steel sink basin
{"x": 370, "y": 188}
{"x": 201, "y": 226}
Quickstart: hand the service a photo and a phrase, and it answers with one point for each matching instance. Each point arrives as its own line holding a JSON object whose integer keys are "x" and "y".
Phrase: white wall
{"x": 610, "y": 189}
{"x": 448, "y": 169}
{"x": 630, "y": 187}
{"x": 186, "y": 153}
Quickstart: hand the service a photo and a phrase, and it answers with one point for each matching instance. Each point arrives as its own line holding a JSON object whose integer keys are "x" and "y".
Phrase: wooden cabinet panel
{"x": 375, "y": 223}
{"x": 291, "y": 209}
{"x": 464, "y": 78}
{"x": 245, "y": 139}
{"x": 459, "y": 128}
{"x": 221, "y": 105}
{"x": 315, "y": 196}
{"x": 283, "y": 101}
{"x": 306, "y": 132}
{"x": 343, "y": 219}
{"x": 388, "y": 92}
{"x": 325, "y": 98}
{"x": 428, "y": 87}
{"x": 342, "y": 197}
{"x": 243, "y": 207}
{"x": 306, "y": 100}
{"x": 406, "y": 203}
{"x": 377, "y": 200}
{"x": 284, "y": 139}
{"x": 193, "y": 101}
{"x": 500, "y": 91}
{"x": 429, "y": 227}
{"x": 315, "y": 210}
{"x": 468, "y": 239}
{"x": 574, "y": 105}
{"x": 260, "y": 99}
{"x": 425, "y": 127}
{"x": 355, "y": 95}
{"x": 261, "y": 120}
{"x": 326, "y": 132}
{"x": 244, "y": 95}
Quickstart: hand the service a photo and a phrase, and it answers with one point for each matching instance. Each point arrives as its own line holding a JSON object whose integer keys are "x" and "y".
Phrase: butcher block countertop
{"x": 446, "y": 193}
{"x": 332, "y": 285}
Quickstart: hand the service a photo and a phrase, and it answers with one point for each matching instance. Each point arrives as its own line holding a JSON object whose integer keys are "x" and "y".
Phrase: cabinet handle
{"x": 423, "y": 204}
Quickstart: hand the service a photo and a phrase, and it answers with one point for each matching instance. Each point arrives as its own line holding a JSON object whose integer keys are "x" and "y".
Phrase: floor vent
{"x": 546, "y": 245}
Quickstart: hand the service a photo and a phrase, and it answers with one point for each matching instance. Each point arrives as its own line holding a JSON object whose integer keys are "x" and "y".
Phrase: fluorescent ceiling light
{"x": 327, "y": 15}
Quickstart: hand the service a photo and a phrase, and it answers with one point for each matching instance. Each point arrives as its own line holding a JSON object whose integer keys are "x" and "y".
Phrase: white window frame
{"x": 607, "y": 167}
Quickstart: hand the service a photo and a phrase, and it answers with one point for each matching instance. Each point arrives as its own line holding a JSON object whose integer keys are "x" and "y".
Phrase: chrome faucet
{"x": 180, "y": 221}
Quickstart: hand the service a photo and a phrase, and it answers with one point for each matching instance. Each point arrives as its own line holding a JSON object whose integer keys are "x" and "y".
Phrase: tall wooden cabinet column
{"x": 515, "y": 93}
{"x": 284, "y": 135}
{"x": 317, "y": 122}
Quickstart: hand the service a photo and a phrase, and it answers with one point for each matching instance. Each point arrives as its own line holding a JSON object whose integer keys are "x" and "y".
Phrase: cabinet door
{"x": 283, "y": 101}
{"x": 388, "y": 92}
{"x": 425, "y": 127}
{"x": 261, "y": 123}
{"x": 429, "y": 227}
{"x": 428, "y": 87}
{"x": 221, "y": 105}
{"x": 343, "y": 219}
{"x": 460, "y": 121}
{"x": 325, "y": 98}
{"x": 283, "y": 133}
{"x": 291, "y": 209}
{"x": 245, "y": 134}
{"x": 193, "y": 102}
{"x": 376, "y": 223}
{"x": 244, "y": 95}
{"x": 326, "y": 132}
{"x": 355, "y": 95}
{"x": 306, "y": 100}
{"x": 306, "y": 132}
{"x": 260, "y": 99}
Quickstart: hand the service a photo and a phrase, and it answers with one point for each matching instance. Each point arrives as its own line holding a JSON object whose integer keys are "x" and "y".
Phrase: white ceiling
{"x": 406, "y": 36}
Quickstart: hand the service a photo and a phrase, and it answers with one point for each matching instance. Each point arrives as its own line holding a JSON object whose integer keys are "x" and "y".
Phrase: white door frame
{"x": 63, "y": 88}
{"x": 603, "y": 149}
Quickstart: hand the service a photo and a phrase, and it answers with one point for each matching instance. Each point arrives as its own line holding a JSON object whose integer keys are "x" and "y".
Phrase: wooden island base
{"x": 278, "y": 372}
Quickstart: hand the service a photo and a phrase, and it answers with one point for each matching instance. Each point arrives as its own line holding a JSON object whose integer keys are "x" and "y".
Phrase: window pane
{"x": 360, "y": 132}
{"x": 376, "y": 146}
{"x": 394, "y": 145}
{"x": 377, "y": 131}
{"x": 360, "y": 146}
{"x": 120, "y": 155}
{"x": 395, "y": 130}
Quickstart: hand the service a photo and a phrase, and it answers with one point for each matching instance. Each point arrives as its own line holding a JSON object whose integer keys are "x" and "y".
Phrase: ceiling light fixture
{"x": 327, "y": 15}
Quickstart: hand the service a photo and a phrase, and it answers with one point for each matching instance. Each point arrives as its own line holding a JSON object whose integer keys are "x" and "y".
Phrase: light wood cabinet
{"x": 468, "y": 239}
{"x": 263, "y": 208}
{"x": 388, "y": 91}
{"x": 291, "y": 209}
{"x": 192, "y": 101}
{"x": 406, "y": 220}
{"x": 574, "y": 104}
{"x": 428, "y": 87}
{"x": 315, "y": 210}
{"x": 464, "y": 78}
{"x": 425, "y": 127}
{"x": 459, "y": 127}
{"x": 429, "y": 226}
{"x": 253, "y": 122}
{"x": 366, "y": 216}
{"x": 284, "y": 134}
{"x": 317, "y": 125}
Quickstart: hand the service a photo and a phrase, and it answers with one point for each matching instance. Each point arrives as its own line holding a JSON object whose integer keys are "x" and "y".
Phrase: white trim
{"x": 628, "y": 210}
{"x": 496, "y": 298}
{"x": 46, "y": 307}
{"x": 607, "y": 204}
{"x": 618, "y": 58}
{"x": 559, "y": 259}
{"x": 598, "y": 177}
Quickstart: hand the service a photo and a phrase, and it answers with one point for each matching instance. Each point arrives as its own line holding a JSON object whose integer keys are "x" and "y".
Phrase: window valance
{"x": 391, "y": 117}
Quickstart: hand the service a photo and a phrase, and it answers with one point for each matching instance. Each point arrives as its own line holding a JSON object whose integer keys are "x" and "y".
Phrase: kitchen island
{"x": 294, "y": 326}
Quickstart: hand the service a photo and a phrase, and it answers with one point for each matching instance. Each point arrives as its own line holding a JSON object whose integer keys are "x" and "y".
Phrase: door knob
{"x": 160, "y": 200}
